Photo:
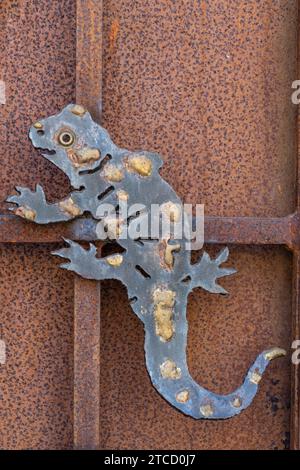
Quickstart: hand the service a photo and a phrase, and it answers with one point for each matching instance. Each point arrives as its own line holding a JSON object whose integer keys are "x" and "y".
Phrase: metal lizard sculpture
{"x": 158, "y": 273}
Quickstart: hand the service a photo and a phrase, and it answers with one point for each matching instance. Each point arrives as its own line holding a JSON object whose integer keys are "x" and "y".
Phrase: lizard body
{"x": 158, "y": 273}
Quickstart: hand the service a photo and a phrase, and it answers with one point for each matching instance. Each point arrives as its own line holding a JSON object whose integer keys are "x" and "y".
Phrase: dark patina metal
{"x": 157, "y": 272}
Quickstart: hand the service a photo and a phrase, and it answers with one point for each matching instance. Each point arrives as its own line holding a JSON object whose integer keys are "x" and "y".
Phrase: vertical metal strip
{"x": 89, "y": 55}
{"x": 295, "y": 382}
{"x": 87, "y": 293}
{"x": 86, "y": 364}
{"x": 295, "y": 378}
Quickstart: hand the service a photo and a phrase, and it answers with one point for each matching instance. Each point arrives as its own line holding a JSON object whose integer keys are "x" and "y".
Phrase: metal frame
{"x": 218, "y": 230}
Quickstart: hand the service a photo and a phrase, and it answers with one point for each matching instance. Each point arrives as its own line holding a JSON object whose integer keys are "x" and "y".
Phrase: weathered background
{"x": 207, "y": 84}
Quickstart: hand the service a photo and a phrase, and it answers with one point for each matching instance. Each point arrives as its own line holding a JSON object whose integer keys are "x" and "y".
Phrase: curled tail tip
{"x": 273, "y": 353}
{"x": 239, "y": 400}
{"x": 262, "y": 361}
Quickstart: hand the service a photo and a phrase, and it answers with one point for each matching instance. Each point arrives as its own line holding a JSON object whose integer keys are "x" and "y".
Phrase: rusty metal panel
{"x": 38, "y": 68}
{"x": 38, "y": 57}
{"x": 207, "y": 84}
{"x": 36, "y": 324}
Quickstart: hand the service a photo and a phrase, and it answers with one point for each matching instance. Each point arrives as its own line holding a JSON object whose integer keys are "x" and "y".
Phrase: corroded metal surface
{"x": 87, "y": 293}
{"x": 233, "y": 230}
{"x": 37, "y": 41}
{"x": 176, "y": 82}
{"x": 208, "y": 85}
{"x": 36, "y": 382}
{"x": 38, "y": 66}
{"x": 86, "y": 364}
{"x": 142, "y": 91}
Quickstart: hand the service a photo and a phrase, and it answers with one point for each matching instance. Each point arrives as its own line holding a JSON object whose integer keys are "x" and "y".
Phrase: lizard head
{"x": 71, "y": 140}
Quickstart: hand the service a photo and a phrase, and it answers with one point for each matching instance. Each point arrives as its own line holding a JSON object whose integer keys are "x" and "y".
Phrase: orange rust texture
{"x": 207, "y": 85}
{"x": 89, "y": 56}
{"x": 37, "y": 41}
{"x": 36, "y": 324}
{"x": 114, "y": 30}
{"x": 86, "y": 363}
{"x": 38, "y": 67}
{"x": 86, "y": 292}
{"x": 211, "y": 93}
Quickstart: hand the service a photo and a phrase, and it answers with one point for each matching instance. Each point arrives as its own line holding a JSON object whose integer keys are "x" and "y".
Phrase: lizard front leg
{"x": 206, "y": 272}
{"x": 86, "y": 264}
{"x": 117, "y": 266}
{"x": 32, "y": 205}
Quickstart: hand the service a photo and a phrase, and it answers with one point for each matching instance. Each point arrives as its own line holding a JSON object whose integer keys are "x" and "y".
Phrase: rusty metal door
{"x": 207, "y": 84}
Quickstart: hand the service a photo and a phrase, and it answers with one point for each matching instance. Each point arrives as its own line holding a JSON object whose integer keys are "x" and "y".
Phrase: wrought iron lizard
{"x": 158, "y": 274}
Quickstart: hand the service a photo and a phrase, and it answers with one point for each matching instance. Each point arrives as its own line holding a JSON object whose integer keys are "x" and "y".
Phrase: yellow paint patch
{"x": 115, "y": 260}
{"x": 169, "y": 257}
{"x": 26, "y": 213}
{"x": 140, "y": 164}
{"x": 38, "y": 125}
{"x": 183, "y": 396}
{"x": 164, "y": 301}
{"x": 255, "y": 377}
{"x": 237, "y": 402}
{"x": 78, "y": 110}
{"x": 83, "y": 156}
{"x": 273, "y": 353}
{"x": 68, "y": 206}
{"x": 112, "y": 173}
{"x": 206, "y": 410}
{"x": 169, "y": 370}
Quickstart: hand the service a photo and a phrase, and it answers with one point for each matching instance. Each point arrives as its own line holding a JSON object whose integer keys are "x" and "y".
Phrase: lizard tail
{"x": 168, "y": 370}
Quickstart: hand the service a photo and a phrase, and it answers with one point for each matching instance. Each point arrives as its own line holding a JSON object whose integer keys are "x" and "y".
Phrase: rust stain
{"x": 203, "y": 8}
{"x": 114, "y": 30}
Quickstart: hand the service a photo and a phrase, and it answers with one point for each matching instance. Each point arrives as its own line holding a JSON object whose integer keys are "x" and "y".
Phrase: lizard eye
{"x": 66, "y": 138}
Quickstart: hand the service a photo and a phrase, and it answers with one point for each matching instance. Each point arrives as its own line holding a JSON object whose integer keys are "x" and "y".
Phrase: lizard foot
{"x": 29, "y": 202}
{"x": 206, "y": 272}
{"x": 80, "y": 259}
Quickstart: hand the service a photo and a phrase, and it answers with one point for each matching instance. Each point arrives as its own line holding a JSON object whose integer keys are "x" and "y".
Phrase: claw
{"x": 226, "y": 272}
{"x": 219, "y": 290}
{"x": 62, "y": 253}
{"x": 66, "y": 266}
{"x": 70, "y": 242}
{"x": 222, "y": 256}
{"x": 206, "y": 272}
{"x": 12, "y": 199}
{"x": 93, "y": 249}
